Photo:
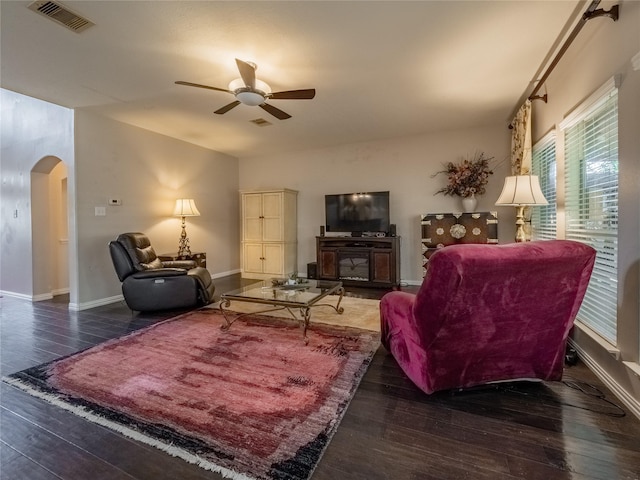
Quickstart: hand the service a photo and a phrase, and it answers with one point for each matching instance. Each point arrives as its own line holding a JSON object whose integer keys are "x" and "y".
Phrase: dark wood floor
{"x": 391, "y": 429}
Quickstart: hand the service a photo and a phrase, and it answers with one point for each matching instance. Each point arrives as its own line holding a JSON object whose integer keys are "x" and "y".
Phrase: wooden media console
{"x": 359, "y": 261}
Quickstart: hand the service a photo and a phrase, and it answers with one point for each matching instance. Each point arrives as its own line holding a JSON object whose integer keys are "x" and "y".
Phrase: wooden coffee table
{"x": 284, "y": 297}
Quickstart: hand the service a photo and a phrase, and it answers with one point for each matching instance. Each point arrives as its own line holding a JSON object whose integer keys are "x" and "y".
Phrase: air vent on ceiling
{"x": 261, "y": 122}
{"x": 62, "y": 15}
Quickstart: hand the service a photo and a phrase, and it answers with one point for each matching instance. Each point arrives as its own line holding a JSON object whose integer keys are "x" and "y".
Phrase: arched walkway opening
{"x": 49, "y": 228}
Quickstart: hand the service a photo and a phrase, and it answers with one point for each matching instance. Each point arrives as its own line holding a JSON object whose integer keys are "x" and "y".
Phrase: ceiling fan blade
{"x": 276, "y": 112}
{"x": 226, "y": 108}
{"x": 189, "y": 84}
{"x": 248, "y": 73}
{"x": 294, "y": 94}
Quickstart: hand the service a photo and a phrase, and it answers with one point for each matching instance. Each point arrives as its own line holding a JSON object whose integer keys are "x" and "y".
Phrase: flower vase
{"x": 469, "y": 203}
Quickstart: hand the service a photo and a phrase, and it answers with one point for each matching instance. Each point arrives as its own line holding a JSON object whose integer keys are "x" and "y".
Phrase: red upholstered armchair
{"x": 488, "y": 313}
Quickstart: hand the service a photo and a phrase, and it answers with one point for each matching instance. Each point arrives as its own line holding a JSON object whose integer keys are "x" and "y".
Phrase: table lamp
{"x": 185, "y": 207}
{"x": 521, "y": 191}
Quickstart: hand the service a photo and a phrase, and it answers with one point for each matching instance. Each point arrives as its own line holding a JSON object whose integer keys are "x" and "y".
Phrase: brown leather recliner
{"x": 149, "y": 284}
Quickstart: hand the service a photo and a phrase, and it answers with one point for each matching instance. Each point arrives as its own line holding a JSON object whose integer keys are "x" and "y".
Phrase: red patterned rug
{"x": 251, "y": 403}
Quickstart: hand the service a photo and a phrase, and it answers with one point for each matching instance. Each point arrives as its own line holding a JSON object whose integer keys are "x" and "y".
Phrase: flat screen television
{"x": 356, "y": 213}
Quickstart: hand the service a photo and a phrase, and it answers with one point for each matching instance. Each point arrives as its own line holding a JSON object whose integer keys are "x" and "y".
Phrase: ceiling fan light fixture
{"x": 248, "y": 96}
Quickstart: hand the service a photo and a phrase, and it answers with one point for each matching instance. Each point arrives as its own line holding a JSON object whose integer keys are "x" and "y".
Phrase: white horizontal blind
{"x": 591, "y": 181}
{"x": 543, "y": 163}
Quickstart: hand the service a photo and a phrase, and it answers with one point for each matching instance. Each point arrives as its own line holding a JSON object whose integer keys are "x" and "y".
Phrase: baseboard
{"x": 35, "y": 298}
{"x": 31, "y": 298}
{"x": 226, "y": 274}
{"x": 76, "y": 307}
{"x": 629, "y": 401}
{"x": 21, "y": 296}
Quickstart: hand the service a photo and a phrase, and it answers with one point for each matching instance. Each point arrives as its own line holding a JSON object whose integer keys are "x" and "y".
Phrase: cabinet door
{"x": 328, "y": 264}
{"x": 272, "y": 217}
{"x": 273, "y": 260}
{"x": 382, "y": 266}
{"x": 253, "y": 258}
{"x": 252, "y": 217}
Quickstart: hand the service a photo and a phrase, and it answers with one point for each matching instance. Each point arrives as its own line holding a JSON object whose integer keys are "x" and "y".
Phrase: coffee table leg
{"x": 338, "y": 308}
{"x": 304, "y": 323}
{"x": 225, "y": 304}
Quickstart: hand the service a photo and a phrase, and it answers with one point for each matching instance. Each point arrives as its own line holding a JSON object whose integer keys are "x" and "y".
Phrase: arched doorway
{"x": 49, "y": 228}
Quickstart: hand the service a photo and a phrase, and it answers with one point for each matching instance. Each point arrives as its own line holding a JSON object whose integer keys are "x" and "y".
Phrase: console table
{"x": 359, "y": 261}
{"x": 442, "y": 229}
{"x": 199, "y": 257}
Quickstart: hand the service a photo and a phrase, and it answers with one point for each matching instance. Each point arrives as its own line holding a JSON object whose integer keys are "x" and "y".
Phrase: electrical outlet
{"x": 115, "y": 201}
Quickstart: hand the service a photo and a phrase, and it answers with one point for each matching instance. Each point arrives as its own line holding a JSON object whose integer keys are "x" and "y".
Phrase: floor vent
{"x": 261, "y": 122}
{"x": 62, "y": 15}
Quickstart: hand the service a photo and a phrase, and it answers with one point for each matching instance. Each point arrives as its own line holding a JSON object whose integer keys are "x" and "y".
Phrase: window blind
{"x": 543, "y": 164}
{"x": 591, "y": 182}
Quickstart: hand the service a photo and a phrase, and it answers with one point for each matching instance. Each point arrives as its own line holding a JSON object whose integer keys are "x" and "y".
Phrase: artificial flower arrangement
{"x": 467, "y": 178}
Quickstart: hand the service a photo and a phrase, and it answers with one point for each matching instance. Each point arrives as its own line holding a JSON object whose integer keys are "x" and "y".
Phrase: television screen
{"x": 357, "y": 212}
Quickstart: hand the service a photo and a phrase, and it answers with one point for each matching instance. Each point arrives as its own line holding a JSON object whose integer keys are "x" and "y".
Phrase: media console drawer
{"x": 368, "y": 262}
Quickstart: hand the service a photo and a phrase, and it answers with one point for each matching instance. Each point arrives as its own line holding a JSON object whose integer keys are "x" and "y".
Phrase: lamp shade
{"x": 186, "y": 207}
{"x": 521, "y": 190}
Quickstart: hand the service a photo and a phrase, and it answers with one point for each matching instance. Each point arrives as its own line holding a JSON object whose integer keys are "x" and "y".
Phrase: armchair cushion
{"x": 488, "y": 313}
{"x": 139, "y": 247}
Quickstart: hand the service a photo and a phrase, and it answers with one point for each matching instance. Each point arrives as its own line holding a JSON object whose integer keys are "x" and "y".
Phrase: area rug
{"x": 254, "y": 402}
{"x": 358, "y": 312}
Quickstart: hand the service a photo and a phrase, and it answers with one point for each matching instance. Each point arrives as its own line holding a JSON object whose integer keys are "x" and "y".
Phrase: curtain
{"x": 521, "y": 141}
{"x": 521, "y": 151}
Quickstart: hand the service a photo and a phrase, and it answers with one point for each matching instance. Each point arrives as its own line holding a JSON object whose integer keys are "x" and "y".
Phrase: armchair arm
{"x": 159, "y": 272}
{"x": 203, "y": 278}
{"x": 184, "y": 264}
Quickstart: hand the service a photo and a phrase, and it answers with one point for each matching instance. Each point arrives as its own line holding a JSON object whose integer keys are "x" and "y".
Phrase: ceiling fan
{"x": 248, "y": 90}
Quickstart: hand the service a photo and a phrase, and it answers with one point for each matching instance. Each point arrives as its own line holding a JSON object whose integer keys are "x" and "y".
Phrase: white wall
{"x": 147, "y": 172}
{"x": 404, "y": 166}
{"x": 30, "y": 130}
{"x": 603, "y": 49}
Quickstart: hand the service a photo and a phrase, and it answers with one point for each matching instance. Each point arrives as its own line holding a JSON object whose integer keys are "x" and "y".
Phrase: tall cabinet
{"x": 269, "y": 233}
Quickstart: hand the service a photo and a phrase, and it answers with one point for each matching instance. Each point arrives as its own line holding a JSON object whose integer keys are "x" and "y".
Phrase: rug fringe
{"x": 128, "y": 432}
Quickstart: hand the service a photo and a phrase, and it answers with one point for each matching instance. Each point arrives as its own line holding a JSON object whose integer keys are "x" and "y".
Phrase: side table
{"x": 199, "y": 257}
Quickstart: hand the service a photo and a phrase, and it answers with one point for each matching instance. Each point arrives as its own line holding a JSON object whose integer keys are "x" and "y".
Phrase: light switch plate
{"x": 101, "y": 211}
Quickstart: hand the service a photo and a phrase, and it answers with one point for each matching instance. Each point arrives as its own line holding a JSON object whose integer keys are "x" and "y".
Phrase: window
{"x": 591, "y": 182}
{"x": 543, "y": 163}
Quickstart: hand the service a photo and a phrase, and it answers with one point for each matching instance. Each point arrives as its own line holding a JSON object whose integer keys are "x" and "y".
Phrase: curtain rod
{"x": 591, "y": 12}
